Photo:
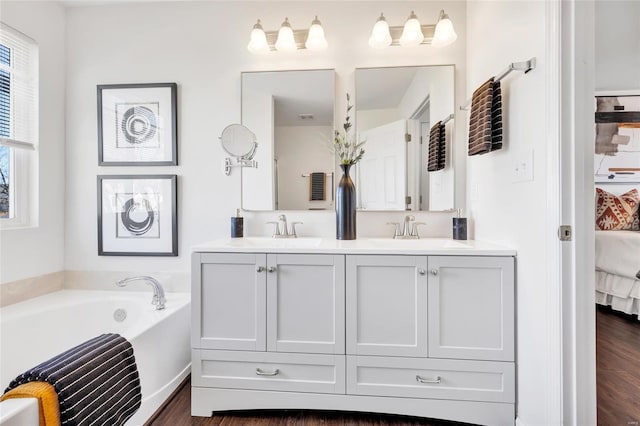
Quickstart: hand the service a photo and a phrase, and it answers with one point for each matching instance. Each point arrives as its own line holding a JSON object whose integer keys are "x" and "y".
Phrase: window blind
{"x": 18, "y": 89}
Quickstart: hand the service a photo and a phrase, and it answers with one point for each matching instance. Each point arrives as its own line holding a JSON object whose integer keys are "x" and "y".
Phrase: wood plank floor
{"x": 617, "y": 368}
{"x": 618, "y": 378}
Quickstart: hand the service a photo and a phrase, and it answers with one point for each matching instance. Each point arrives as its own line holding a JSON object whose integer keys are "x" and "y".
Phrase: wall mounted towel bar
{"x": 329, "y": 175}
{"x": 524, "y": 66}
{"x": 448, "y": 119}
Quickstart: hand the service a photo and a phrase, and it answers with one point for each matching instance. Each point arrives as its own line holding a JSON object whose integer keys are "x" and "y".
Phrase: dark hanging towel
{"x": 496, "y": 117}
{"x": 317, "y": 186}
{"x": 97, "y": 381}
{"x": 437, "y": 148}
{"x": 485, "y": 124}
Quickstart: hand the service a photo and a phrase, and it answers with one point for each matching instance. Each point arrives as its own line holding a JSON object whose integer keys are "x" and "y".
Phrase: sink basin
{"x": 423, "y": 243}
{"x": 265, "y": 242}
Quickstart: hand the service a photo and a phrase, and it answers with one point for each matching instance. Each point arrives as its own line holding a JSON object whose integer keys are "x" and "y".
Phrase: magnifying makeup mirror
{"x": 239, "y": 142}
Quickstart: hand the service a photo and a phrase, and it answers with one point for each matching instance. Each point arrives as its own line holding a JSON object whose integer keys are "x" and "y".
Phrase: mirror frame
{"x": 335, "y": 165}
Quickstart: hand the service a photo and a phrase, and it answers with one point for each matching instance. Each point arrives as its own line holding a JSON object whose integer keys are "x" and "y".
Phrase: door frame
{"x": 571, "y": 46}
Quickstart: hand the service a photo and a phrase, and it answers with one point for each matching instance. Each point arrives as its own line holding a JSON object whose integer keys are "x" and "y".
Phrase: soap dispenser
{"x": 459, "y": 226}
{"x": 237, "y": 225}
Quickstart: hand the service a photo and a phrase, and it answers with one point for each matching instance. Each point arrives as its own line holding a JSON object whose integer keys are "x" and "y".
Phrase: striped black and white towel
{"x": 97, "y": 381}
{"x": 485, "y": 123}
{"x": 437, "y": 148}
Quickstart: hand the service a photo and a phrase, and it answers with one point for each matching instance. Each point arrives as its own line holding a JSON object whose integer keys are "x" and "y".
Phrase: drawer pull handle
{"x": 260, "y": 269}
{"x": 419, "y": 379}
{"x": 267, "y": 373}
{"x": 421, "y": 271}
{"x": 272, "y": 269}
{"x": 434, "y": 272}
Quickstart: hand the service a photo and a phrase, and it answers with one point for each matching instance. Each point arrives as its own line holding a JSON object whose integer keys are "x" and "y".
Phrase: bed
{"x": 618, "y": 270}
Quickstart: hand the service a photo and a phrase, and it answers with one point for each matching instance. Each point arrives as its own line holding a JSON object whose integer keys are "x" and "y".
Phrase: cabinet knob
{"x": 421, "y": 379}
{"x": 434, "y": 272}
{"x": 260, "y": 269}
{"x": 271, "y": 269}
{"x": 421, "y": 271}
{"x": 267, "y": 373}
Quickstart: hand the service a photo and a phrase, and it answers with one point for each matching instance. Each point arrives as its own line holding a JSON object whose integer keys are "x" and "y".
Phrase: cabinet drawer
{"x": 268, "y": 371}
{"x": 431, "y": 378}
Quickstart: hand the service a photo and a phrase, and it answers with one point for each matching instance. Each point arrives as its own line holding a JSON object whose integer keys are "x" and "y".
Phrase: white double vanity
{"x": 417, "y": 327}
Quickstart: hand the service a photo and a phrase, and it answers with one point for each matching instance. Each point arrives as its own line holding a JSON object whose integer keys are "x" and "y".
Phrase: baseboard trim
{"x": 166, "y": 402}
{"x": 205, "y": 401}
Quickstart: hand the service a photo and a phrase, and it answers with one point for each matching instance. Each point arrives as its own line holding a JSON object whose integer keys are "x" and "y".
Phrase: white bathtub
{"x": 35, "y": 330}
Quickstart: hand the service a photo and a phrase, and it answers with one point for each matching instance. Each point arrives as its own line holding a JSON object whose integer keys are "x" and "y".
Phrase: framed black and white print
{"x": 137, "y": 124}
{"x": 137, "y": 215}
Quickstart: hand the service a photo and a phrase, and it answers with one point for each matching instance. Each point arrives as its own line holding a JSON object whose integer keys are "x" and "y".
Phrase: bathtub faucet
{"x": 158, "y": 293}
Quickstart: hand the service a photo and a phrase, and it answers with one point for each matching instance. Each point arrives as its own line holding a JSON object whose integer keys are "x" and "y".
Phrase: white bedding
{"x": 618, "y": 253}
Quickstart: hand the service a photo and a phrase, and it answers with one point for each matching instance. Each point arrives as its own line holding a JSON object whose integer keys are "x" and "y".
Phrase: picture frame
{"x": 137, "y": 215}
{"x": 617, "y": 144}
{"x": 137, "y": 124}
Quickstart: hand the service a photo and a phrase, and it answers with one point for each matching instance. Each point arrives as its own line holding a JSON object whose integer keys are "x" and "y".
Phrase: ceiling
{"x": 382, "y": 88}
{"x": 295, "y": 93}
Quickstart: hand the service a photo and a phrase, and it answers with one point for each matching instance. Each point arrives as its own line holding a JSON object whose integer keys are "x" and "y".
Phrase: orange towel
{"x": 48, "y": 406}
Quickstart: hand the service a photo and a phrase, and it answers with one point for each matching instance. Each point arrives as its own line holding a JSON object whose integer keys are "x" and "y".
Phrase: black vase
{"x": 346, "y": 206}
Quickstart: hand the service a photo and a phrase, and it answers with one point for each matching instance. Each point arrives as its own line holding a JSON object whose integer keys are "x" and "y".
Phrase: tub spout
{"x": 158, "y": 292}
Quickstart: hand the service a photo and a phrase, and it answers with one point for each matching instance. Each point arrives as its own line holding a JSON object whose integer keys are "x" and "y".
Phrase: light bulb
{"x": 444, "y": 33}
{"x": 412, "y": 32}
{"x": 286, "y": 42}
{"x": 380, "y": 36}
{"x": 315, "y": 38}
{"x": 258, "y": 42}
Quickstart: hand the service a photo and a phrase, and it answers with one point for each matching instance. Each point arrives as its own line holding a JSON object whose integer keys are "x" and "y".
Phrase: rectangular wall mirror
{"x": 291, "y": 114}
{"x": 396, "y": 108}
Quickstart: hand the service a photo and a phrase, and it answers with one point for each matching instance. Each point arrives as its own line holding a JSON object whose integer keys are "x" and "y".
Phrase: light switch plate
{"x": 523, "y": 166}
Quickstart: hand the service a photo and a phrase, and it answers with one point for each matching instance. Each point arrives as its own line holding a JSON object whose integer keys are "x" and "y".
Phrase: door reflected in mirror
{"x": 396, "y": 110}
{"x": 291, "y": 113}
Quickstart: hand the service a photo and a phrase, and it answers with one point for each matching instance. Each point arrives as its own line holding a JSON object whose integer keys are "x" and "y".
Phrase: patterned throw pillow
{"x": 617, "y": 212}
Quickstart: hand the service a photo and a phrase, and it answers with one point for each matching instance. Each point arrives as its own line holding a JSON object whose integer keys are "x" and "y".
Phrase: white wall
{"x": 502, "y": 210}
{"x": 617, "y": 45}
{"x": 303, "y": 150}
{"x": 202, "y": 47}
{"x": 40, "y": 250}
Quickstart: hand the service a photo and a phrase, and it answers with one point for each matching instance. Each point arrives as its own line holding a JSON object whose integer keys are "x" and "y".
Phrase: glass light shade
{"x": 444, "y": 33}
{"x": 315, "y": 38}
{"x": 380, "y": 36}
{"x": 258, "y": 41}
{"x": 286, "y": 42}
{"x": 412, "y": 32}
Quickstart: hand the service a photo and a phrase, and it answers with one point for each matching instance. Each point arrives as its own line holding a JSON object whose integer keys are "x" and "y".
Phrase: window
{"x": 18, "y": 128}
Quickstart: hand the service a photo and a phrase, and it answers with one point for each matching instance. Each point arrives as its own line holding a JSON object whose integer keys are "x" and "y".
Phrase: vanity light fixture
{"x": 444, "y": 33}
{"x": 258, "y": 42}
{"x": 286, "y": 39}
{"x": 380, "y": 36}
{"x": 413, "y": 33}
{"x": 315, "y": 38}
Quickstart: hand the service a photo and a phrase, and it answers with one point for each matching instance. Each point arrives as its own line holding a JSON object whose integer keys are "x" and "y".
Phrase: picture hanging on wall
{"x": 137, "y": 215}
{"x": 137, "y": 124}
{"x": 617, "y": 145}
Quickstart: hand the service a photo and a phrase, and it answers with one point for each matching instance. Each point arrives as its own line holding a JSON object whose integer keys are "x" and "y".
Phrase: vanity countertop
{"x": 423, "y": 246}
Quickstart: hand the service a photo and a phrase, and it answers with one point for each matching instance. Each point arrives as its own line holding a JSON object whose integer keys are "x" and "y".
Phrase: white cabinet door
{"x": 229, "y": 301}
{"x": 305, "y": 303}
{"x": 471, "y": 307}
{"x": 387, "y": 305}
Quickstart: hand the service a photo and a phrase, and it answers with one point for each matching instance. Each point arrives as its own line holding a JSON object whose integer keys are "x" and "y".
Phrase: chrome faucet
{"x": 409, "y": 228}
{"x": 286, "y": 231}
{"x": 283, "y": 219}
{"x": 158, "y": 292}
